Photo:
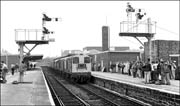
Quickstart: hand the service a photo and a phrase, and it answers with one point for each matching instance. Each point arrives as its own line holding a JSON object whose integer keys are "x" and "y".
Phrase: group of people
{"x": 159, "y": 72}
{"x": 4, "y": 70}
{"x": 31, "y": 66}
{"x": 156, "y": 72}
{"x": 14, "y": 68}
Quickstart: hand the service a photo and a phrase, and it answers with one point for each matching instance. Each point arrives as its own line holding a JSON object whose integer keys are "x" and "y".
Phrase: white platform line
{"x": 49, "y": 93}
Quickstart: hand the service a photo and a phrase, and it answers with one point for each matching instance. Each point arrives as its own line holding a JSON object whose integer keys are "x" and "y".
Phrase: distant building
{"x": 92, "y": 51}
{"x": 14, "y": 58}
{"x": 92, "y": 48}
{"x": 105, "y": 59}
{"x": 115, "y": 48}
{"x": 162, "y": 49}
{"x": 123, "y": 48}
{"x": 10, "y": 59}
{"x": 66, "y": 52}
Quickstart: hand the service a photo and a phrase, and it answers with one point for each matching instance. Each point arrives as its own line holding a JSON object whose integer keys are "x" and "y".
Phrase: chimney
{"x": 105, "y": 38}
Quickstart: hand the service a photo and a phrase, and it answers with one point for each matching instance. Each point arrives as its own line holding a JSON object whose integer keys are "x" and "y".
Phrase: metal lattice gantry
{"x": 31, "y": 36}
{"x": 138, "y": 28}
{"x": 24, "y": 37}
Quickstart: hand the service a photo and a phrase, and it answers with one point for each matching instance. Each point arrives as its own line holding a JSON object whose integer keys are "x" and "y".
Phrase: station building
{"x": 108, "y": 55}
{"x": 165, "y": 49}
{"x": 14, "y": 59}
{"x": 10, "y": 59}
{"x": 107, "y": 58}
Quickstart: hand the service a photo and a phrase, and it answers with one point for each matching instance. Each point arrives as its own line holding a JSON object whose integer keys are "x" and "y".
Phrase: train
{"x": 75, "y": 67}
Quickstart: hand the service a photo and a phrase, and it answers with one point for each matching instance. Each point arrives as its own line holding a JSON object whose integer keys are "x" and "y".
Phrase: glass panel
{"x": 86, "y": 60}
{"x": 75, "y": 60}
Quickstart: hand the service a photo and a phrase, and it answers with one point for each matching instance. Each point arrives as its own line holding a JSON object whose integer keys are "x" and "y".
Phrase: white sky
{"x": 82, "y": 22}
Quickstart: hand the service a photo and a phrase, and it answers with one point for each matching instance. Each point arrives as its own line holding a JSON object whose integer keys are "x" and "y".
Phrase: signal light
{"x": 45, "y": 30}
{"x": 46, "y": 18}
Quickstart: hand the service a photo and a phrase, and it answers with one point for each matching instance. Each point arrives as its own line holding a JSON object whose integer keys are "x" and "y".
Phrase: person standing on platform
{"x": 122, "y": 67}
{"x": 154, "y": 77}
{"x": 130, "y": 68}
{"x": 141, "y": 70}
{"x": 134, "y": 69}
{"x": 170, "y": 71}
{"x": 22, "y": 70}
{"x": 173, "y": 68}
{"x": 12, "y": 68}
{"x": 34, "y": 66}
{"x": 31, "y": 65}
{"x": 147, "y": 71}
{"x": 4, "y": 71}
{"x": 159, "y": 66}
{"x": 16, "y": 67}
{"x": 165, "y": 74}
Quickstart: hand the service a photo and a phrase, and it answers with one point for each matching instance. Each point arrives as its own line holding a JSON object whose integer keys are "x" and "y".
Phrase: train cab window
{"x": 87, "y": 60}
{"x": 75, "y": 60}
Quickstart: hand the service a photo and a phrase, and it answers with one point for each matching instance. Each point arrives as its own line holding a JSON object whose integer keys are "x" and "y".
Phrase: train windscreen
{"x": 87, "y": 60}
{"x": 75, "y": 60}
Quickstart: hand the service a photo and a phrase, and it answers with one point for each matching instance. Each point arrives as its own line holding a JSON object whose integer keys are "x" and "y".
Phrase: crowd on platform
{"x": 160, "y": 72}
{"x": 14, "y": 68}
{"x": 4, "y": 70}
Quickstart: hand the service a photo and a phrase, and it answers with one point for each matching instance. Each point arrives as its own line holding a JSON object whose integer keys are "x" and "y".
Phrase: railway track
{"x": 61, "y": 95}
{"x": 115, "y": 98}
{"x": 92, "y": 95}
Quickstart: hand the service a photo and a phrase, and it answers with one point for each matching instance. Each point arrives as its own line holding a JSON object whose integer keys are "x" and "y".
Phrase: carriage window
{"x": 86, "y": 60}
{"x": 75, "y": 60}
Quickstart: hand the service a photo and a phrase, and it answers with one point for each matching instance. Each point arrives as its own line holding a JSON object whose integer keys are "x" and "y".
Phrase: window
{"x": 75, "y": 60}
{"x": 81, "y": 66}
{"x": 86, "y": 60}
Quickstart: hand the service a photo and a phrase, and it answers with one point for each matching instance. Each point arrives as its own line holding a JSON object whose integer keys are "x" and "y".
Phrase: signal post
{"x": 136, "y": 29}
{"x": 23, "y": 37}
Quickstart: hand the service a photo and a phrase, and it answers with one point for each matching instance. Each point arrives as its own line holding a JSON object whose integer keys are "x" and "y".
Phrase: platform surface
{"x": 33, "y": 91}
{"x": 174, "y": 88}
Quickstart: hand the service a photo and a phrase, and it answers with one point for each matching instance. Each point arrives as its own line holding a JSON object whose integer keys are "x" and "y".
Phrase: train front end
{"x": 81, "y": 68}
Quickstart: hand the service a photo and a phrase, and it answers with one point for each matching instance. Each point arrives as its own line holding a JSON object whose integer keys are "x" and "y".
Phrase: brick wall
{"x": 162, "y": 49}
{"x": 147, "y": 95}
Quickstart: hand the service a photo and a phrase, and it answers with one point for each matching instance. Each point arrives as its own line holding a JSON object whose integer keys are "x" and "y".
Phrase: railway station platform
{"x": 32, "y": 91}
{"x": 136, "y": 88}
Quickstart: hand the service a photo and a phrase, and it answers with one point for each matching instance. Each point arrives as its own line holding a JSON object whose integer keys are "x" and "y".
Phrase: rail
{"x": 57, "y": 100}
{"x": 86, "y": 104}
{"x": 64, "y": 96}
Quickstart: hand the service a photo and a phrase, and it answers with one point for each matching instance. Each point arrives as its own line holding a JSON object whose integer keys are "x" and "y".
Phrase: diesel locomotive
{"x": 75, "y": 67}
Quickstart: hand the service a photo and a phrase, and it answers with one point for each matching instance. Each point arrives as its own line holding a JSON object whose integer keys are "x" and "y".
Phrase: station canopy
{"x": 33, "y": 57}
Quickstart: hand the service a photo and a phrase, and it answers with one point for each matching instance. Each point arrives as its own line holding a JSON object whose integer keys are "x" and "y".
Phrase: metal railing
{"x": 30, "y": 35}
{"x": 141, "y": 27}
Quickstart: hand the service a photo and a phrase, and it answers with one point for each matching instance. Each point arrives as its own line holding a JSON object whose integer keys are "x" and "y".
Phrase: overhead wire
{"x": 167, "y": 30}
{"x": 130, "y": 41}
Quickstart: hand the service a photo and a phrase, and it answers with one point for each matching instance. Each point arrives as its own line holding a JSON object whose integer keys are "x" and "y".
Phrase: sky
{"x": 81, "y": 23}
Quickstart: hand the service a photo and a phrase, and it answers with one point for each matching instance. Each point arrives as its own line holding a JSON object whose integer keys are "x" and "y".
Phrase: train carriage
{"x": 74, "y": 67}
